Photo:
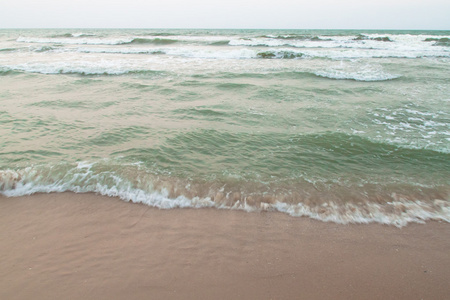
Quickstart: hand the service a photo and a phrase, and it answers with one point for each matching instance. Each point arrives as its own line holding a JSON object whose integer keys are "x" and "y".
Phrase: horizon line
{"x": 231, "y": 28}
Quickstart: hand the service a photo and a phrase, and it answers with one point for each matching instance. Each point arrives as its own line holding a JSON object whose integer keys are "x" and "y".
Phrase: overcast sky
{"x": 295, "y": 14}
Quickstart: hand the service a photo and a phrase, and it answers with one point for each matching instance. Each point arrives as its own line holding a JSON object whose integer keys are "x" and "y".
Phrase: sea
{"x": 345, "y": 126}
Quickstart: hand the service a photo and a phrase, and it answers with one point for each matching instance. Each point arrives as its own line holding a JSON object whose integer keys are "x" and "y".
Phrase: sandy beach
{"x": 85, "y": 246}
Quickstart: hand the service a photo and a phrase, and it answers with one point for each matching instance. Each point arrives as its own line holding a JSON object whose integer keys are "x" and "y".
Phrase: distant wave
{"x": 160, "y": 34}
{"x": 298, "y": 37}
{"x": 321, "y": 74}
{"x": 69, "y": 35}
{"x": 8, "y": 49}
{"x": 78, "y": 69}
{"x": 43, "y": 49}
{"x": 263, "y": 43}
{"x": 199, "y": 53}
{"x": 362, "y": 37}
{"x": 279, "y": 54}
{"x": 155, "y": 41}
{"x": 4, "y": 72}
{"x": 345, "y": 72}
{"x": 121, "y": 50}
{"x": 252, "y": 53}
{"x": 72, "y": 41}
{"x": 220, "y": 43}
{"x": 439, "y": 41}
{"x": 97, "y": 41}
{"x": 201, "y": 47}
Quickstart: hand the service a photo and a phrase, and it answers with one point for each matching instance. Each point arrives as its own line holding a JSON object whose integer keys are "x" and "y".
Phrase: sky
{"x": 264, "y": 14}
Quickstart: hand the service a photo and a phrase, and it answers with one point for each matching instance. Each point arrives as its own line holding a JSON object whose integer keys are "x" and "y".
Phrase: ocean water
{"x": 336, "y": 125}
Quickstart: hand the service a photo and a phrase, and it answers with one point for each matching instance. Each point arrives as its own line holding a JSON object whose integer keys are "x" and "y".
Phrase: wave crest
{"x": 445, "y": 42}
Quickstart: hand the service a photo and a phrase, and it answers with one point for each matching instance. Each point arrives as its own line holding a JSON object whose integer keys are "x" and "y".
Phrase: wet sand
{"x": 85, "y": 246}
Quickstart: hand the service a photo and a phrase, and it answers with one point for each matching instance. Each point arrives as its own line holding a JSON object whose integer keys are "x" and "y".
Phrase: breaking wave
{"x": 439, "y": 41}
{"x": 43, "y": 49}
{"x": 279, "y": 54}
{"x": 362, "y": 37}
{"x": 390, "y": 208}
{"x": 101, "y": 68}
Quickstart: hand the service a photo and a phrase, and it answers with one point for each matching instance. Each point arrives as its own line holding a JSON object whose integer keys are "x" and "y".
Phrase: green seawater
{"x": 210, "y": 121}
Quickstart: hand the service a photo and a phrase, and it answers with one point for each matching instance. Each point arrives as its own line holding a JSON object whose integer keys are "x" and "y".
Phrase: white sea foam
{"x": 82, "y": 179}
{"x": 189, "y": 52}
{"x": 194, "y": 38}
{"x": 251, "y": 53}
{"x": 213, "y": 54}
{"x": 412, "y": 128}
{"x": 402, "y": 42}
{"x": 122, "y": 50}
{"x": 101, "y": 67}
{"x": 356, "y": 72}
{"x": 397, "y": 46}
{"x": 78, "y": 41}
{"x": 336, "y": 47}
{"x": 90, "y": 39}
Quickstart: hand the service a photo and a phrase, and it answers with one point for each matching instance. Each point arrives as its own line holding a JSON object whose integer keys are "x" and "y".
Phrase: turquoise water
{"x": 343, "y": 126}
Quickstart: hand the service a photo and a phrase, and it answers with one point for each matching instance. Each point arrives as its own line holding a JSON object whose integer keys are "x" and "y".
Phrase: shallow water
{"x": 344, "y": 126}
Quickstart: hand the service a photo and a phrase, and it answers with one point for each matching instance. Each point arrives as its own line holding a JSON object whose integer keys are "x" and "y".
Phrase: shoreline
{"x": 87, "y": 246}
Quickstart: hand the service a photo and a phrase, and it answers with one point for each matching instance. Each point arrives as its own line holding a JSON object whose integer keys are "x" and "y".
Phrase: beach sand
{"x": 85, "y": 246}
